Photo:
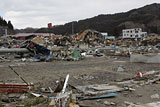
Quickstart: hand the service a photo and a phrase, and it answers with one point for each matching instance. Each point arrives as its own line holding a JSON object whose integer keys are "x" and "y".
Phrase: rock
{"x": 120, "y": 69}
{"x": 98, "y": 100}
{"x": 22, "y": 97}
{"x": 14, "y": 95}
{"x": 4, "y": 98}
{"x": 75, "y": 105}
{"x": 52, "y": 103}
{"x": 139, "y": 95}
{"x": 155, "y": 96}
{"x": 109, "y": 103}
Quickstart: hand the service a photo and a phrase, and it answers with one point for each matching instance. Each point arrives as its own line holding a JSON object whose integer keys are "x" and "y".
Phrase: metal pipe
{"x": 13, "y": 50}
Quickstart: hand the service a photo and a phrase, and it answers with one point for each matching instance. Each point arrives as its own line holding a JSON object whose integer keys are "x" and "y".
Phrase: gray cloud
{"x": 37, "y": 13}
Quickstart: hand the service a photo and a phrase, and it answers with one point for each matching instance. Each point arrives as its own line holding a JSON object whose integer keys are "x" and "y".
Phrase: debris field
{"x": 82, "y": 70}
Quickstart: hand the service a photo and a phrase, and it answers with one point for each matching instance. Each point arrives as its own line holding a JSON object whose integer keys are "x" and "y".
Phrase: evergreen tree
{"x": 10, "y": 26}
{"x": 1, "y": 21}
{"x": 4, "y": 23}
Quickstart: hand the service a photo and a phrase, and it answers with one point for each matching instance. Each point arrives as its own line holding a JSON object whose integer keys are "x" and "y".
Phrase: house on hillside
{"x": 135, "y": 33}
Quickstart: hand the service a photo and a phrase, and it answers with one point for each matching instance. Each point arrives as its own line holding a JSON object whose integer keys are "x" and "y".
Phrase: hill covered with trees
{"x": 6, "y": 25}
{"x": 147, "y": 18}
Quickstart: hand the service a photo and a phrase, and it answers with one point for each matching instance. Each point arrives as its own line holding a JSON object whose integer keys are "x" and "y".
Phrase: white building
{"x": 134, "y": 33}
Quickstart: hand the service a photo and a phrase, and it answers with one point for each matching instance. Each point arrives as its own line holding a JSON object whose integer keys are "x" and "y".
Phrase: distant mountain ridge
{"x": 147, "y": 18}
{"x": 26, "y": 30}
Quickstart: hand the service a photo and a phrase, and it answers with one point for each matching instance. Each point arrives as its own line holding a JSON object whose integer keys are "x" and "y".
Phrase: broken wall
{"x": 145, "y": 58}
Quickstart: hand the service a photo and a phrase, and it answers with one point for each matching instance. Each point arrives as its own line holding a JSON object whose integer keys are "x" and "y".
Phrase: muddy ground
{"x": 97, "y": 70}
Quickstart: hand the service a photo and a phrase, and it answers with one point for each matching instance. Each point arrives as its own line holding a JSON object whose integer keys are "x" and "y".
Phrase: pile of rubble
{"x": 46, "y": 48}
{"x": 37, "y": 47}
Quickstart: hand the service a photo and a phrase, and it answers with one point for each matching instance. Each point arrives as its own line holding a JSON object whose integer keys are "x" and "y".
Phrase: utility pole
{"x": 6, "y": 31}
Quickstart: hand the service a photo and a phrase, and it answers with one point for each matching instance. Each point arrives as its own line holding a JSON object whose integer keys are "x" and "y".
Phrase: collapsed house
{"x": 90, "y": 37}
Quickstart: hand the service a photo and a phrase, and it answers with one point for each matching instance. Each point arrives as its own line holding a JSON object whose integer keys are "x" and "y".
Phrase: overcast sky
{"x": 37, "y": 13}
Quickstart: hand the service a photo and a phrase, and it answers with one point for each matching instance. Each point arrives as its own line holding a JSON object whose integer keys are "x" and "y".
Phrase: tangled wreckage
{"x": 47, "y": 48}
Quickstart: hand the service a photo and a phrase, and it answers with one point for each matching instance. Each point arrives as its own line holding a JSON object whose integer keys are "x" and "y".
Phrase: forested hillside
{"x": 147, "y": 17}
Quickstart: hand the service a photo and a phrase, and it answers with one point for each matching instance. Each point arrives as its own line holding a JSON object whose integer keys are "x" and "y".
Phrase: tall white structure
{"x": 134, "y": 33}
